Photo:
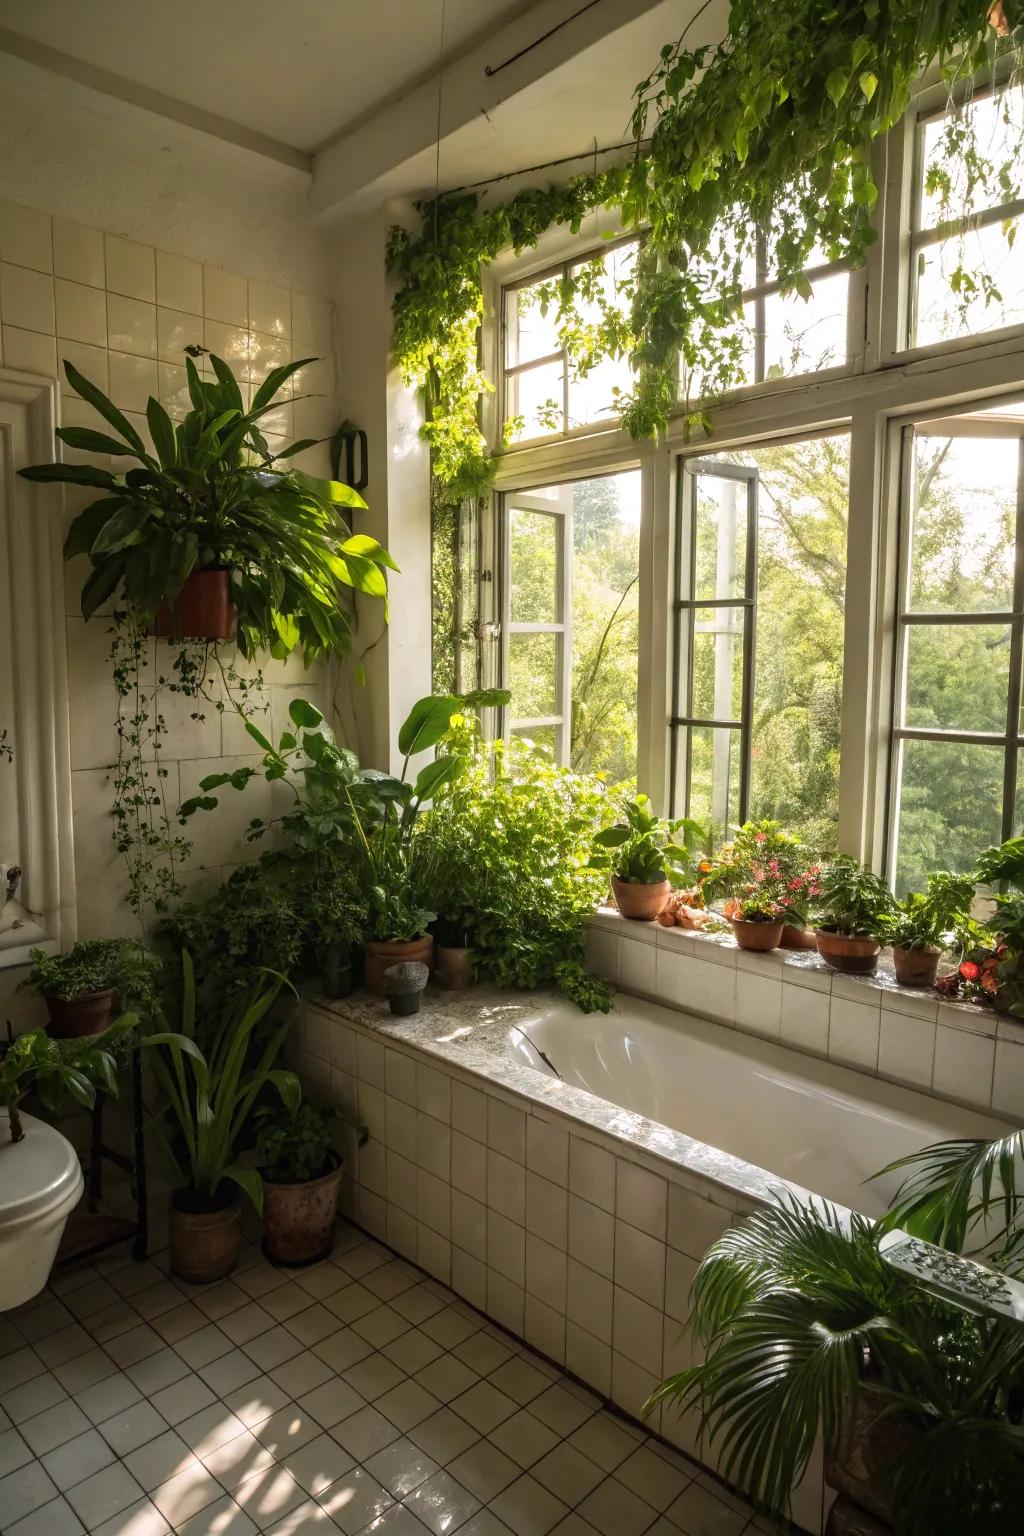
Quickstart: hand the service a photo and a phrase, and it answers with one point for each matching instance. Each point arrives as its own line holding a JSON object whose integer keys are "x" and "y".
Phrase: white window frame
{"x": 560, "y": 627}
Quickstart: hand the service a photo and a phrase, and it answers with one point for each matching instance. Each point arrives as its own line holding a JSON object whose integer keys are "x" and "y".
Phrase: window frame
{"x": 561, "y": 627}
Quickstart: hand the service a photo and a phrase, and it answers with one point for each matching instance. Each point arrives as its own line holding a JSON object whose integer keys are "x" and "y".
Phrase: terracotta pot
{"x": 298, "y": 1219}
{"x": 75, "y": 1017}
{"x": 797, "y": 938}
{"x": 880, "y": 1439}
{"x": 453, "y": 968}
{"x": 642, "y": 902}
{"x": 857, "y": 955}
{"x": 203, "y": 609}
{"x": 204, "y": 1243}
{"x": 916, "y": 967}
{"x": 758, "y": 936}
{"x": 378, "y": 955}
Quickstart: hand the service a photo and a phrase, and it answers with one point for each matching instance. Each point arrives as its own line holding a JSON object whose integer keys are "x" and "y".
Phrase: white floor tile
{"x": 401, "y": 1467}
{"x": 160, "y": 1460}
{"x": 77, "y": 1459}
{"x": 331, "y": 1402}
{"x": 223, "y": 1517}
{"x": 141, "y": 1519}
{"x": 354, "y": 1500}
{"x": 54, "y": 1519}
{"x": 104, "y": 1494}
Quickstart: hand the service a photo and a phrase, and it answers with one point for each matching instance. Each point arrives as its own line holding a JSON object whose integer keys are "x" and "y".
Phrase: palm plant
{"x": 210, "y": 496}
{"x": 211, "y": 1095}
{"x": 799, "y": 1317}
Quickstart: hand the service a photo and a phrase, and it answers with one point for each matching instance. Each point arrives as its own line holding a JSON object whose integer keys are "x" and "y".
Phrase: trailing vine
{"x": 766, "y": 135}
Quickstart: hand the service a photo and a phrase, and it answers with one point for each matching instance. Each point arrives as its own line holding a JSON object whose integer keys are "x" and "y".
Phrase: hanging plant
{"x": 766, "y": 135}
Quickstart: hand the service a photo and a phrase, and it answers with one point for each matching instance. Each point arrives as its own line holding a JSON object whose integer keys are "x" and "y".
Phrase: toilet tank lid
{"x": 37, "y": 1173}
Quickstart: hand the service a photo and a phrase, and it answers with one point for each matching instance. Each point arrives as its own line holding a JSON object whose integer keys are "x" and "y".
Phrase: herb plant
{"x": 928, "y": 919}
{"x": 854, "y": 901}
{"x": 293, "y": 1145}
{"x": 642, "y": 849}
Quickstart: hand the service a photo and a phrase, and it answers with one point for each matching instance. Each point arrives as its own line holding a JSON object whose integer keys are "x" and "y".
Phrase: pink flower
{"x": 759, "y": 837}
{"x": 773, "y": 866}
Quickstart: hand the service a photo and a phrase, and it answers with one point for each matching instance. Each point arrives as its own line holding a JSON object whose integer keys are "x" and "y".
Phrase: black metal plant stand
{"x": 91, "y": 1231}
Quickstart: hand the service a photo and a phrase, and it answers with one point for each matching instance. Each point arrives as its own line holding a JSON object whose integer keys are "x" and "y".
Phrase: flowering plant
{"x": 763, "y": 874}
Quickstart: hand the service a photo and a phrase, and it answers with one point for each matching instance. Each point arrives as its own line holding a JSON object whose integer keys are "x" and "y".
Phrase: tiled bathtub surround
{"x": 579, "y": 1234}
{"x": 956, "y": 1051}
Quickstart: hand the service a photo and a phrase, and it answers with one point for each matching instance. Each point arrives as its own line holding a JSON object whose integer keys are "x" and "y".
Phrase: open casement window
{"x": 956, "y": 782}
{"x": 965, "y": 281}
{"x": 716, "y": 590}
{"x": 537, "y": 624}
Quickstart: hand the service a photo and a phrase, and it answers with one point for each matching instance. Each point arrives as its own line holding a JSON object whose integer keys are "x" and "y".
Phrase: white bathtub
{"x": 821, "y": 1126}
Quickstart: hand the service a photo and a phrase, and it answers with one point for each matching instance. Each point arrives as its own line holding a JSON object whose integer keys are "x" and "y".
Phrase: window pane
{"x": 950, "y": 798}
{"x": 543, "y": 736}
{"x": 963, "y": 510}
{"x": 528, "y": 333}
{"x": 533, "y": 567}
{"x": 997, "y": 122}
{"x": 536, "y": 396}
{"x": 957, "y": 676}
{"x": 714, "y": 778}
{"x": 969, "y": 284}
{"x": 720, "y": 509}
{"x": 592, "y": 398}
{"x": 717, "y": 664}
{"x": 805, "y": 335}
{"x": 532, "y": 675}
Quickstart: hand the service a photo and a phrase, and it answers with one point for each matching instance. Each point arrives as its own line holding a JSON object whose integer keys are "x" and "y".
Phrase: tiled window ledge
{"x": 956, "y": 1051}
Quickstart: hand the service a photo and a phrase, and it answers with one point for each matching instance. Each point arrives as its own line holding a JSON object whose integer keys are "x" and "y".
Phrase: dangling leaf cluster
{"x": 765, "y": 136}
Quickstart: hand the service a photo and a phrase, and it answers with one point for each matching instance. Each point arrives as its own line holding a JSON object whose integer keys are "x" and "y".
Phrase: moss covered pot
{"x": 299, "y": 1216}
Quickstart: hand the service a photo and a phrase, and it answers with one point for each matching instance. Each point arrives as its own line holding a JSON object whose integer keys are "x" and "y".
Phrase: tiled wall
{"x": 558, "y": 1233}
{"x": 122, "y": 312}
{"x": 957, "y": 1051}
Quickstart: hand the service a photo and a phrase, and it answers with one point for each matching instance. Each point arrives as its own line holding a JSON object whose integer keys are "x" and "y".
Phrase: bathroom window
{"x": 570, "y": 626}
{"x": 760, "y": 598}
{"x": 956, "y": 780}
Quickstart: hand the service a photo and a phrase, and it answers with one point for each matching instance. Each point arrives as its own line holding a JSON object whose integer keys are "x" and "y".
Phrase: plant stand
{"x": 91, "y": 1231}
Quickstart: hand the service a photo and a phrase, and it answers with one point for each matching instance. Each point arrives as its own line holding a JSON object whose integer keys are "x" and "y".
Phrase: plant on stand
{"x": 81, "y": 987}
{"x": 33, "y": 1063}
{"x": 640, "y": 851}
{"x": 853, "y": 910}
{"x": 921, "y": 926}
{"x": 302, "y": 1176}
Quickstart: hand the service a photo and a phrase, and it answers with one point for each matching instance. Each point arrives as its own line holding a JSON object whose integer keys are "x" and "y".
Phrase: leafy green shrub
{"x": 642, "y": 849}
{"x": 94, "y": 965}
{"x": 854, "y": 901}
{"x": 55, "y": 1071}
{"x": 293, "y": 1145}
{"x": 923, "y": 919}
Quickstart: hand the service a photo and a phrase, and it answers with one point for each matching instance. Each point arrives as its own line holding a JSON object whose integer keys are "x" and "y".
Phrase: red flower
{"x": 948, "y": 986}
{"x": 990, "y": 982}
{"x": 1001, "y": 951}
{"x": 969, "y": 971}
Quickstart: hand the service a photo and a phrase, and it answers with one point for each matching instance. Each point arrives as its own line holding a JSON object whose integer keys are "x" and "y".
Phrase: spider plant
{"x": 212, "y": 495}
{"x": 799, "y": 1315}
{"x": 210, "y": 1095}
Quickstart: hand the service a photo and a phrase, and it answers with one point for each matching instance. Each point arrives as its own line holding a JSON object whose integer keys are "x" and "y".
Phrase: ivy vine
{"x": 765, "y": 135}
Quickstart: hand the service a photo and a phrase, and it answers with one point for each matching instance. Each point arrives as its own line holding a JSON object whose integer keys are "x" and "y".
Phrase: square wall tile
{"x": 506, "y": 1187}
{"x": 131, "y": 269}
{"x": 637, "y": 967}
{"x": 759, "y": 1004}
{"x": 964, "y": 1065}
{"x": 270, "y": 308}
{"x": 225, "y": 297}
{"x": 1008, "y": 1078}
{"x": 853, "y": 1034}
{"x": 592, "y": 1173}
{"x": 179, "y": 283}
{"x": 25, "y": 237}
{"x": 506, "y": 1129}
{"x": 26, "y": 299}
{"x": 78, "y": 253}
{"x": 906, "y": 1048}
{"x": 640, "y": 1264}
{"x": 132, "y": 381}
{"x": 131, "y": 326}
{"x": 175, "y": 330}
{"x": 89, "y": 360}
{"x": 434, "y": 1093}
{"x": 547, "y": 1210}
{"x": 547, "y": 1149}
{"x": 29, "y": 351}
{"x": 641, "y": 1198}
{"x": 804, "y": 1022}
{"x": 469, "y": 1111}
{"x": 591, "y": 1236}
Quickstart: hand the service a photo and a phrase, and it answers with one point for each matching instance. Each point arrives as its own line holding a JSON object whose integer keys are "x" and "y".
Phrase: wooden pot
{"x": 298, "y": 1219}
{"x": 797, "y": 938}
{"x": 379, "y": 954}
{"x": 855, "y": 955}
{"x": 204, "y": 1243}
{"x": 453, "y": 967}
{"x": 915, "y": 967}
{"x": 641, "y": 902}
{"x": 75, "y": 1017}
{"x": 755, "y": 935}
{"x": 203, "y": 609}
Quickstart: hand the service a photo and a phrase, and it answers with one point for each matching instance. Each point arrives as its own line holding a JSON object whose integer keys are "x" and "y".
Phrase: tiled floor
{"x": 358, "y": 1396}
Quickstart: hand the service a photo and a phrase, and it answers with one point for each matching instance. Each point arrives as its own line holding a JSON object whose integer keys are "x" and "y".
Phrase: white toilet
{"x": 40, "y": 1185}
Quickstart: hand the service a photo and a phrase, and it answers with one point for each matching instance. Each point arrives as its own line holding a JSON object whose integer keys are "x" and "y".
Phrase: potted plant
{"x": 209, "y": 1097}
{"x": 756, "y": 921}
{"x": 302, "y": 1176}
{"x": 32, "y": 1063}
{"x": 919, "y": 926}
{"x": 854, "y": 907}
{"x": 764, "y": 876}
{"x": 212, "y": 523}
{"x": 641, "y": 849}
{"x": 80, "y": 987}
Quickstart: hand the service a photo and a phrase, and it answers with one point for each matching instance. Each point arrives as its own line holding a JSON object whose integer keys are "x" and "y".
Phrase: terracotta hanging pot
{"x": 379, "y": 954}
{"x": 640, "y": 902}
{"x": 204, "y": 1242}
{"x": 203, "y": 609}
{"x": 298, "y": 1218}
{"x": 915, "y": 967}
{"x": 757, "y": 936}
{"x": 72, "y": 1018}
{"x": 856, "y": 955}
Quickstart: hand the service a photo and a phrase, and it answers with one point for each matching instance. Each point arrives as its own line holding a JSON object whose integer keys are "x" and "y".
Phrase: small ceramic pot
{"x": 915, "y": 967}
{"x": 298, "y": 1218}
{"x": 453, "y": 968}
{"x": 379, "y": 955}
{"x": 404, "y": 984}
{"x": 797, "y": 938}
{"x": 641, "y": 902}
{"x": 203, "y": 609}
{"x": 75, "y": 1017}
{"x": 757, "y": 936}
{"x": 855, "y": 955}
{"x": 204, "y": 1243}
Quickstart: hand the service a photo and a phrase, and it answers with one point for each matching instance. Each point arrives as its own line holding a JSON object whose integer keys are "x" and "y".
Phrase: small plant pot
{"x": 640, "y": 902}
{"x": 336, "y": 971}
{"x": 453, "y": 968}
{"x": 204, "y": 1242}
{"x": 797, "y": 938}
{"x": 915, "y": 967}
{"x": 203, "y": 609}
{"x": 75, "y": 1017}
{"x": 404, "y": 984}
{"x": 378, "y": 955}
{"x": 298, "y": 1218}
{"x": 855, "y": 955}
{"x": 757, "y": 936}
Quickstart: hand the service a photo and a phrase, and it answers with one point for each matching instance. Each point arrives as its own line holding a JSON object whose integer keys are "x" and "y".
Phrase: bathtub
{"x": 822, "y": 1127}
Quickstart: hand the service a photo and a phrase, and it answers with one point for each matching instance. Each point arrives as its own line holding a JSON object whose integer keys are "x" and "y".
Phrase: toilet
{"x": 40, "y": 1185}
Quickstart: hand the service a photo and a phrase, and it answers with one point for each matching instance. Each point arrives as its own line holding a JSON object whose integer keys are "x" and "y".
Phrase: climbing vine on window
{"x": 769, "y": 130}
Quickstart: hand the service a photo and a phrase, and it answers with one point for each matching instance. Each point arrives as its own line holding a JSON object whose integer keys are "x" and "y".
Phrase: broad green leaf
{"x": 101, "y": 584}
{"x": 106, "y": 408}
{"x": 275, "y": 380}
{"x": 836, "y": 83}
{"x": 370, "y": 549}
{"x": 123, "y": 528}
{"x": 71, "y": 474}
{"x": 431, "y": 778}
{"x": 161, "y": 429}
{"x": 304, "y": 714}
{"x": 258, "y": 736}
{"x": 868, "y": 84}
{"x": 88, "y": 441}
{"x": 87, "y": 525}
{"x": 427, "y": 722}
{"x": 249, "y": 1181}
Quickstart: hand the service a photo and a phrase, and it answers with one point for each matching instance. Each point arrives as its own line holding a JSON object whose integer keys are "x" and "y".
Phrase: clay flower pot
{"x": 204, "y": 1242}
{"x": 298, "y": 1218}
{"x": 378, "y": 955}
{"x": 797, "y": 938}
{"x": 855, "y": 955}
{"x": 915, "y": 967}
{"x": 755, "y": 935}
{"x": 641, "y": 902}
{"x": 75, "y": 1017}
{"x": 203, "y": 609}
{"x": 453, "y": 967}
